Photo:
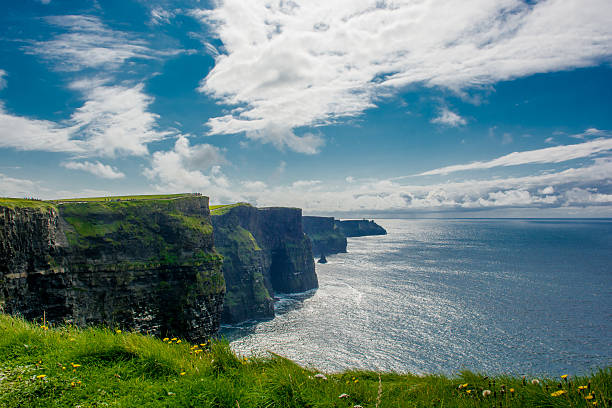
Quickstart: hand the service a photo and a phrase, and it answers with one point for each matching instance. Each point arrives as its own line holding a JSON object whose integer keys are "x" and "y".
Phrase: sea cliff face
{"x": 325, "y": 236}
{"x": 359, "y": 228}
{"x": 147, "y": 265}
{"x": 265, "y": 251}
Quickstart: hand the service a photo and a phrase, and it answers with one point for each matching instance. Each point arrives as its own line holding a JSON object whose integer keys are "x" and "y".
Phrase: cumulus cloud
{"x": 88, "y": 43}
{"x": 97, "y": 169}
{"x": 555, "y": 154}
{"x": 114, "y": 120}
{"x": 309, "y": 63}
{"x": 306, "y": 183}
{"x": 183, "y": 168}
{"x": 448, "y": 118}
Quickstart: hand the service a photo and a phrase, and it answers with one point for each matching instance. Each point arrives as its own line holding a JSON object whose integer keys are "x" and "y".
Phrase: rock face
{"x": 147, "y": 265}
{"x": 359, "y": 228}
{"x": 325, "y": 236}
{"x": 265, "y": 251}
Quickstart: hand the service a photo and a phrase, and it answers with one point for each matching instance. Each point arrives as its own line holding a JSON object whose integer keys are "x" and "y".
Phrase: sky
{"x": 352, "y": 108}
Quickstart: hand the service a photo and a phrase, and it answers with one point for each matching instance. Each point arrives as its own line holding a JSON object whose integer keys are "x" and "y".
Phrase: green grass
{"x": 66, "y": 367}
{"x": 222, "y": 209}
{"x": 23, "y": 203}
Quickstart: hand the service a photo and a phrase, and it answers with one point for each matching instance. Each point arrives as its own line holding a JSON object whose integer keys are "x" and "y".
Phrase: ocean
{"x": 514, "y": 296}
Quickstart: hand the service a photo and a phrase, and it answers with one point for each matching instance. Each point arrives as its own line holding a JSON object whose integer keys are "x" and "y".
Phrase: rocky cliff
{"x": 265, "y": 251}
{"x": 325, "y": 236}
{"x": 143, "y": 264}
{"x": 359, "y": 228}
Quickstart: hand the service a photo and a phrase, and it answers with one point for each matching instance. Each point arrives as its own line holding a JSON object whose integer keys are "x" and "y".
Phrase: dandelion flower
{"x": 173, "y": 339}
{"x": 40, "y": 377}
{"x": 183, "y": 373}
{"x": 75, "y": 365}
{"x": 582, "y": 387}
{"x": 463, "y": 385}
{"x": 118, "y": 331}
{"x": 73, "y": 384}
{"x": 178, "y": 341}
{"x": 486, "y": 393}
{"x": 356, "y": 381}
{"x": 564, "y": 376}
{"x": 165, "y": 339}
{"x": 589, "y": 397}
{"x": 468, "y": 391}
{"x": 557, "y": 393}
{"x": 511, "y": 389}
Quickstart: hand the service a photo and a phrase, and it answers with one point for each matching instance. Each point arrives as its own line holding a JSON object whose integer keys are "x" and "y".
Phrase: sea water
{"x": 519, "y": 296}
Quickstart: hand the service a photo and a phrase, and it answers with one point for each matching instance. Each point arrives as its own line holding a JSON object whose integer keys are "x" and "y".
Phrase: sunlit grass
{"x": 67, "y": 366}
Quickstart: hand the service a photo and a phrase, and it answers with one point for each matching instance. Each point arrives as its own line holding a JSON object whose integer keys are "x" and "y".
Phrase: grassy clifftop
{"x": 65, "y": 366}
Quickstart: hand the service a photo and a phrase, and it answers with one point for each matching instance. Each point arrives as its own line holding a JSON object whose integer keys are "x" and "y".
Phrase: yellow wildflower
{"x": 511, "y": 389}
{"x": 118, "y": 331}
{"x": 202, "y": 345}
{"x": 178, "y": 341}
{"x": 356, "y": 381}
{"x": 165, "y": 339}
{"x": 468, "y": 391}
{"x": 564, "y": 376}
{"x": 73, "y": 384}
{"x": 594, "y": 403}
{"x": 173, "y": 339}
{"x": 75, "y": 365}
{"x": 557, "y": 393}
{"x": 589, "y": 397}
{"x": 41, "y": 376}
{"x": 183, "y": 373}
{"x": 582, "y": 387}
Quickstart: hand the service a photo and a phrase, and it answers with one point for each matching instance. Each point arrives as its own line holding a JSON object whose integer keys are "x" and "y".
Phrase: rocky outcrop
{"x": 325, "y": 236}
{"x": 265, "y": 251}
{"x": 359, "y": 228}
{"x": 147, "y": 265}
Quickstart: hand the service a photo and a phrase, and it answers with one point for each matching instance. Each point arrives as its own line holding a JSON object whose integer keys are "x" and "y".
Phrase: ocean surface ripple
{"x": 440, "y": 296}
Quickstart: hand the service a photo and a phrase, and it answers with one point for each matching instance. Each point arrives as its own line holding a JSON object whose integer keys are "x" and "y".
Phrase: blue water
{"x": 439, "y": 296}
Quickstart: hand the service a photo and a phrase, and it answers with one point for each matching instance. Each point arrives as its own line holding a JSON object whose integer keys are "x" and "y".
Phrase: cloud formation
{"x": 88, "y": 44}
{"x": 97, "y": 169}
{"x": 449, "y": 118}
{"x": 2, "y": 80}
{"x": 114, "y": 120}
{"x": 290, "y": 64}
{"x": 555, "y": 154}
{"x": 183, "y": 168}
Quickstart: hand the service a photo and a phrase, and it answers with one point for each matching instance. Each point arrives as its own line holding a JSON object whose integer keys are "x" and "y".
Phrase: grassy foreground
{"x": 70, "y": 367}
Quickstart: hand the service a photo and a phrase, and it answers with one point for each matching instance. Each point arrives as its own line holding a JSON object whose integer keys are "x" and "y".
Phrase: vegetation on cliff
{"x": 66, "y": 366}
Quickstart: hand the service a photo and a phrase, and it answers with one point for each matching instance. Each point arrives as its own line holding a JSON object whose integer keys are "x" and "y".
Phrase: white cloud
{"x": 254, "y": 185}
{"x": 547, "y": 190}
{"x": 583, "y": 197}
{"x": 2, "y": 80}
{"x": 555, "y": 154}
{"x": 18, "y": 188}
{"x": 448, "y": 118}
{"x": 182, "y": 169}
{"x": 32, "y": 134}
{"x": 97, "y": 169}
{"x": 113, "y": 120}
{"x": 161, "y": 16}
{"x": 306, "y": 183}
{"x": 88, "y": 44}
{"x": 309, "y": 63}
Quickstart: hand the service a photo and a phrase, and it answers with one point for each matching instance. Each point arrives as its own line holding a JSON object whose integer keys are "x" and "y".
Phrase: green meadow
{"x": 66, "y": 366}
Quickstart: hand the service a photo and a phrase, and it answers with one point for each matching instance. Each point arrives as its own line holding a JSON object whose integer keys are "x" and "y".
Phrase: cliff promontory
{"x": 359, "y": 228}
{"x": 325, "y": 236}
{"x": 265, "y": 251}
{"x": 144, "y": 263}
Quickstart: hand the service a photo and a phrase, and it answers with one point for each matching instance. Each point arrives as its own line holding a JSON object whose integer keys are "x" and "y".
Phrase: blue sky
{"x": 349, "y": 108}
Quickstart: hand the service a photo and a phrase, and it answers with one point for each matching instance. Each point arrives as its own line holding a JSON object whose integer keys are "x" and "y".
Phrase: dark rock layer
{"x": 325, "y": 236}
{"x": 265, "y": 252}
{"x": 147, "y": 265}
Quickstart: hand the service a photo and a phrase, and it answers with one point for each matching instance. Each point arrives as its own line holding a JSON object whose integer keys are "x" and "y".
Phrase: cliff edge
{"x": 325, "y": 236}
{"x": 359, "y": 228}
{"x": 141, "y": 263}
{"x": 265, "y": 252}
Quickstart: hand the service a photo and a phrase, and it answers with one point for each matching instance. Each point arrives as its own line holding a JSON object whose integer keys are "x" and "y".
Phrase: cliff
{"x": 143, "y": 264}
{"x": 325, "y": 236}
{"x": 265, "y": 251}
{"x": 359, "y": 228}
